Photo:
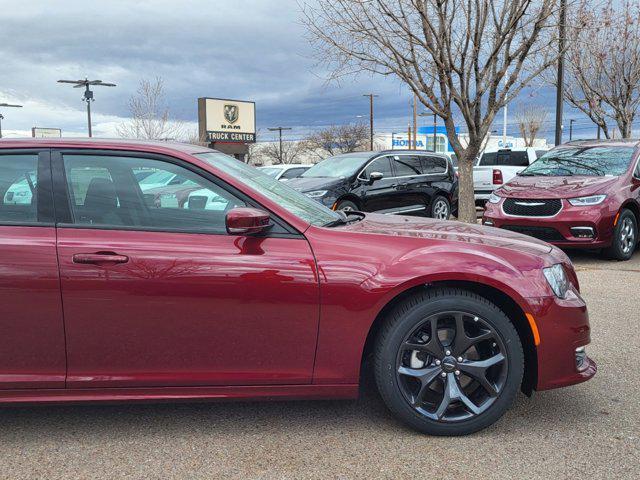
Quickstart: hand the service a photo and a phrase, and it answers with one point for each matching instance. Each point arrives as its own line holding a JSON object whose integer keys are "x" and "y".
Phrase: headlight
{"x": 316, "y": 193}
{"x": 493, "y": 198}
{"x": 557, "y": 279}
{"x": 587, "y": 201}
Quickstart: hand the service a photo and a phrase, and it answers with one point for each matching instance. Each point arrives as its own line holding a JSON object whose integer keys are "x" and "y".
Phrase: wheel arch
{"x": 633, "y": 207}
{"x": 496, "y": 296}
{"x": 351, "y": 198}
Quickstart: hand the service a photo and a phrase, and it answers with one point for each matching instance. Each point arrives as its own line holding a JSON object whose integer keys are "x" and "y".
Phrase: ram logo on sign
{"x": 222, "y": 120}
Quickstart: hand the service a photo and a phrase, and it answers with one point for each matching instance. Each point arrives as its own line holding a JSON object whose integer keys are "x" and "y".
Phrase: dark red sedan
{"x": 584, "y": 194}
{"x": 251, "y": 290}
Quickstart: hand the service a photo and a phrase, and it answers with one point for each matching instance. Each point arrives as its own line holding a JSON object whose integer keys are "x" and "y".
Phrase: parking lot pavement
{"x": 591, "y": 429}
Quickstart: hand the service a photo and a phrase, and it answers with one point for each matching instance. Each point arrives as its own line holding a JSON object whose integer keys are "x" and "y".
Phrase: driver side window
{"x": 146, "y": 194}
{"x": 382, "y": 165}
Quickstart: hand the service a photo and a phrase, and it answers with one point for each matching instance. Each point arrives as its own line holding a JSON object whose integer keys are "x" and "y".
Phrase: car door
{"x": 380, "y": 195}
{"x": 411, "y": 184}
{"x": 157, "y": 293}
{"x": 32, "y": 350}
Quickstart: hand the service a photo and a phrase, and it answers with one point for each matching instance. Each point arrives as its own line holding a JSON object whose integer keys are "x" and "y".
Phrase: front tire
{"x": 625, "y": 237}
{"x": 346, "y": 206}
{"x": 448, "y": 362}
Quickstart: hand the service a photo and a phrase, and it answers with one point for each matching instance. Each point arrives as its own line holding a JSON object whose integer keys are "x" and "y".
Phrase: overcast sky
{"x": 240, "y": 49}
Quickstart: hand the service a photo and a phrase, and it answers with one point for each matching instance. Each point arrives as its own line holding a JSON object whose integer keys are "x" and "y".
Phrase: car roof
{"x": 512, "y": 149}
{"x": 623, "y": 142}
{"x": 100, "y": 143}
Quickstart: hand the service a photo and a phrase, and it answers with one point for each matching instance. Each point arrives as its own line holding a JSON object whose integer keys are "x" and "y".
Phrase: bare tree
{"x": 291, "y": 151}
{"x": 464, "y": 59}
{"x": 150, "y": 117}
{"x": 530, "y": 119}
{"x": 603, "y": 63}
{"x": 337, "y": 139}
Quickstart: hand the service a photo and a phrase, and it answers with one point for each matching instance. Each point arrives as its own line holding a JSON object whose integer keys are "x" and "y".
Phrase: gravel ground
{"x": 590, "y": 430}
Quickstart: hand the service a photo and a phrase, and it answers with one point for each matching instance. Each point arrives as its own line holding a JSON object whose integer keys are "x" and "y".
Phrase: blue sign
{"x": 440, "y": 130}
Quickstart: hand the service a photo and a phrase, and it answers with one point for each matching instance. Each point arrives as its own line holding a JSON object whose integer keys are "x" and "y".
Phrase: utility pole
{"x": 415, "y": 122}
{"x": 435, "y": 123}
{"x": 88, "y": 94}
{"x": 571, "y": 129}
{"x": 560, "y": 79}
{"x": 504, "y": 126}
{"x": 2, "y": 116}
{"x": 371, "y": 97}
{"x": 279, "y": 130}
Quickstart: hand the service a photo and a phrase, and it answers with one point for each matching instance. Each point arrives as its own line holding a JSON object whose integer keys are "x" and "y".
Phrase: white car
{"x": 285, "y": 172}
{"x": 496, "y": 167}
{"x": 19, "y": 193}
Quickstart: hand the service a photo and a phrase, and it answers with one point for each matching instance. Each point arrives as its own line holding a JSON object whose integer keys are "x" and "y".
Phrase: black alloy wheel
{"x": 448, "y": 362}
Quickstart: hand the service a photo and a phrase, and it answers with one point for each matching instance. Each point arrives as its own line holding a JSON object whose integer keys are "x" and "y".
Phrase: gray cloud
{"x": 249, "y": 49}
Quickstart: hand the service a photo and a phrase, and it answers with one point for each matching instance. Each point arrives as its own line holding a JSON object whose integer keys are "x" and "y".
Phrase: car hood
{"x": 429, "y": 228}
{"x": 308, "y": 184}
{"x": 554, "y": 187}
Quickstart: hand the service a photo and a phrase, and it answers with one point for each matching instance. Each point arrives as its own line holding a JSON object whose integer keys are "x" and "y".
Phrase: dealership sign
{"x": 222, "y": 120}
{"x": 41, "y": 132}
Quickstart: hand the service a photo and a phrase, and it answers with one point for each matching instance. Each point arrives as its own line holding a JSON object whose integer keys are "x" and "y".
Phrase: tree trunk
{"x": 466, "y": 197}
{"x": 624, "y": 125}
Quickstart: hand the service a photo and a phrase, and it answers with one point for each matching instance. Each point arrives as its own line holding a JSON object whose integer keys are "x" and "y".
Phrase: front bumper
{"x": 563, "y": 229}
{"x": 563, "y": 325}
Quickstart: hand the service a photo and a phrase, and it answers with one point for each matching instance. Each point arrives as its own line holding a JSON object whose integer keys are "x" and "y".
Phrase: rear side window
{"x": 18, "y": 182}
{"x": 406, "y": 165}
{"x": 293, "y": 173}
{"x": 505, "y": 157}
{"x": 434, "y": 165}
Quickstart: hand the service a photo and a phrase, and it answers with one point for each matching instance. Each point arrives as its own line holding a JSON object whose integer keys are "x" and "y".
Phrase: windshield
{"x": 271, "y": 171}
{"x": 590, "y": 161}
{"x": 297, "y": 203}
{"x": 340, "y": 166}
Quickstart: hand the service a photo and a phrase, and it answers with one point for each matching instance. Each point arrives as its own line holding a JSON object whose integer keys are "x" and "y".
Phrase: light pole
{"x": 279, "y": 130}
{"x": 571, "y": 129}
{"x": 371, "y": 97}
{"x": 435, "y": 124}
{"x": 88, "y": 94}
{"x": 560, "y": 79}
{"x": 2, "y": 116}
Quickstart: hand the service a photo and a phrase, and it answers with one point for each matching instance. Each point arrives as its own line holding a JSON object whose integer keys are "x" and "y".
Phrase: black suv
{"x": 394, "y": 181}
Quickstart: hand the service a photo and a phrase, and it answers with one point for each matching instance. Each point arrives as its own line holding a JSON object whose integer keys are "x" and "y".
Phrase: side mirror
{"x": 375, "y": 176}
{"x": 246, "y": 221}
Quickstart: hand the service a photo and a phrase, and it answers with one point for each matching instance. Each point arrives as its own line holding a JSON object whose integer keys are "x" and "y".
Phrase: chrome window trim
{"x": 421, "y": 154}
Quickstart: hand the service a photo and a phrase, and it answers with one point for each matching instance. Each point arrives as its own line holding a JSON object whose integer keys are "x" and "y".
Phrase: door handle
{"x": 402, "y": 186}
{"x": 100, "y": 257}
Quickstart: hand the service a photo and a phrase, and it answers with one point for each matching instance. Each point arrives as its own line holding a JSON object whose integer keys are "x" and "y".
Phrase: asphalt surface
{"x": 586, "y": 431}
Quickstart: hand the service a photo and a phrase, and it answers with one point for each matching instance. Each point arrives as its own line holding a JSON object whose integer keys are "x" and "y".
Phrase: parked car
{"x": 394, "y": 182}
{"x": 108, "y": 297}
{"x": 583, "y": 194}
{"x": 495, "y": 167}
{"x": 285, "y": 172}
{"x": 19, "y": 193}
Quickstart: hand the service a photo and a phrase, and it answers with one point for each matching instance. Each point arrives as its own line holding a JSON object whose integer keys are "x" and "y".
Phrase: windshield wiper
{"x": 345, "y": 219}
